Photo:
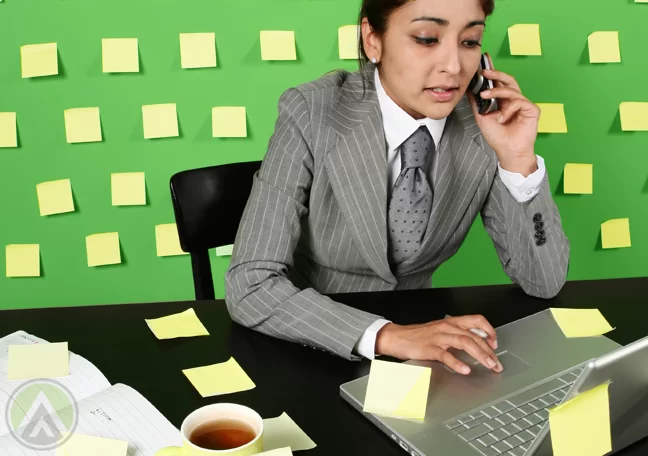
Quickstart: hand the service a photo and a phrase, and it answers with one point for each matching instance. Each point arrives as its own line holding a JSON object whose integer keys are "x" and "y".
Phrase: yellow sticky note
{"x": 167, "y": 241}
{"x": 55, "y": 197}
{"x": 198, "y": 50}
{"x": 397, "y": 390}
{"x": 278, "y": 45}
{"x": 38, "y": 361}
{"x": 39, "y": 60}
{"x": 103, "y": 249}
{"x": 225, "y": 250}
{"x": 82, "y": 125}
{"x": 578, "y": 178}
{"x": 160, "y": 121}
{"x": 581, "y": 322}
{"x": 8, "y": 132}
{"x": 348, "y": 42}
{"x": 128, "y": 189}
{"x": 184, "y": 324}
{"x": 84, "y": 445}
{"x": 286, "y": 451}
{"x": 581, "y": 426}
{"x": 634, "y": 116}
{"x": 217, "y": 379}
{"x": 23, "y": 260}
{"x": 552, "y": 118}
{"x": 283, "y": 432}
{"x": 525, "y": 39}
{"x": 616, "y": 233}
{"x": 229, "y": 122}
{"x": 120, "y": 55}
{"x": 604, "y": 47}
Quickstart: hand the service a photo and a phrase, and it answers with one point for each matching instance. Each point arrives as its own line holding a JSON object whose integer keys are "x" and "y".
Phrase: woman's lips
{"x": 443, "y": 96}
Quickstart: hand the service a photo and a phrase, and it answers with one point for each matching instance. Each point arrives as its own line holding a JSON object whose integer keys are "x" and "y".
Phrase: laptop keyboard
{"x": 509, "y": 427}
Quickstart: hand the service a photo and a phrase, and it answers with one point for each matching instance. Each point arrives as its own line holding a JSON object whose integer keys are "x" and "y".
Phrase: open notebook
{"x": 115, "y": 412}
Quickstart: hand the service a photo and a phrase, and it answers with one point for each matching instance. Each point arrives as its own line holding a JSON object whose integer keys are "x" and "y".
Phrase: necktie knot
{"x": 417, "y": 149}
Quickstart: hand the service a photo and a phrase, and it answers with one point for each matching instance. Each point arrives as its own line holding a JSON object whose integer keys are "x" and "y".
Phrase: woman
{"x": 373, "y": 179}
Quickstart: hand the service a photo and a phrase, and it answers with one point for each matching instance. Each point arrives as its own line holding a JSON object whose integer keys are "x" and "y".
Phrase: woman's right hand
{"x": 431, "y": 341}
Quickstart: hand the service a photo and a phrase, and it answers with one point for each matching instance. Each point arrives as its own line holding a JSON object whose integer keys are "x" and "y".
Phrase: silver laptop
{"x": 491, "y": 414}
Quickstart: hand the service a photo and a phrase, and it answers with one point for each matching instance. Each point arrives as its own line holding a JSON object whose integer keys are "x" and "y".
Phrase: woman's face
{"x": 429, "y": 54}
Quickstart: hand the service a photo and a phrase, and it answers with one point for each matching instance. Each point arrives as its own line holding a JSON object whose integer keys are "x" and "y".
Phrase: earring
{"x": 373, "y": 60}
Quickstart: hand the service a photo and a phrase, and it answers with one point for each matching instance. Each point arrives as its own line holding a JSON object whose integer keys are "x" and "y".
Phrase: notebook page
{"x": 119, "y": 413}
{"x": 84, "y": 379}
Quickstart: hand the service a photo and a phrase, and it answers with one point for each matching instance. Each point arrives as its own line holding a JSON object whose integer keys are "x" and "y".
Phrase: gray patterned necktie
{"x": 411, "y": 200}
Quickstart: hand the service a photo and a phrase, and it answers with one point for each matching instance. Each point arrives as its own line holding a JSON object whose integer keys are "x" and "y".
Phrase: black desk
{"x": 301, "y": 381}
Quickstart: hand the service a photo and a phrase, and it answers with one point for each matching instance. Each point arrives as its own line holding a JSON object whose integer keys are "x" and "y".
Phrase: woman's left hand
{"x": 512, "y": 130}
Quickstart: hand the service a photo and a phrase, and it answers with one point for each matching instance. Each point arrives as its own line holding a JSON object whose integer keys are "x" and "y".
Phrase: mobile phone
{"x": 480, "y": 83}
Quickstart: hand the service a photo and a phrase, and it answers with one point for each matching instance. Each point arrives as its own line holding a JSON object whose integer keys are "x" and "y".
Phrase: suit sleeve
{"x": 539, "y": 268}
{"x": 258, "y": 293}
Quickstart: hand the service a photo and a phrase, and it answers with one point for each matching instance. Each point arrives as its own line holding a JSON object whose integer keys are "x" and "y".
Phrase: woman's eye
{"x": 425, "y": 41}
{"x": 472, "y": 43}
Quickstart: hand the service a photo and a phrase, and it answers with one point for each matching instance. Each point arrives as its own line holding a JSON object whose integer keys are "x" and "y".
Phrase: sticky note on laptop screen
{"x": 397, "y": 390}
{"x": 581, "y": 322}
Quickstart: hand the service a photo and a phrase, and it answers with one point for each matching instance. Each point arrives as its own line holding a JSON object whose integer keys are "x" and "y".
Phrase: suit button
{"x": 537, "y": 217}
{"x": 540, "y": 234}
{"x": 541, "y": 241}
{"x": 539, "y": 226}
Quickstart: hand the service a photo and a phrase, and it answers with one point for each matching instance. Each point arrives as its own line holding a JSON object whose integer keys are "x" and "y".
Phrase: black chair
{"x": 208, "y": 205}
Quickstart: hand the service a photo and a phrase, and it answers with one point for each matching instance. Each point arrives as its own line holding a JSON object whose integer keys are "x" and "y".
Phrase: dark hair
{"x": 377, "y": 13}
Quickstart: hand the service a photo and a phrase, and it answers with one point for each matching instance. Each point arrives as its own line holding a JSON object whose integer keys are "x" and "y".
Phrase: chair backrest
{"x": 208, "y": 205}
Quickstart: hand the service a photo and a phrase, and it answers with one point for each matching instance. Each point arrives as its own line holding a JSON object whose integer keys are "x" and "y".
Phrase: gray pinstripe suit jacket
{"x": 316, "y": 221}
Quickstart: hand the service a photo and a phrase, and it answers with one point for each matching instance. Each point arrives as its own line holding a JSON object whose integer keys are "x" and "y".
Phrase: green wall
{"x": 591, "y": 94}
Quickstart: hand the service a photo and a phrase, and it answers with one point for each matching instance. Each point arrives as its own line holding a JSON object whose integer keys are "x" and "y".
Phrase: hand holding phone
{"x": 479, "y": 84}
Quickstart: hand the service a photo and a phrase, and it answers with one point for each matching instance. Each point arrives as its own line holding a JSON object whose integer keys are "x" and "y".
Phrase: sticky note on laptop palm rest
{"x": 397, "y": 390}
{"x": 38, "y": 361}
{"x": 581, "y": 322}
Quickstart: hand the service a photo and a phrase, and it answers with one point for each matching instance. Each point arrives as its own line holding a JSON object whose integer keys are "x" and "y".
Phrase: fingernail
{"x": 500, "y": 368}
{"x": 465, "y": 370}
{"x": 495, "y": 344}
{"x": 486, "y": 93}
{"x": 491, "y": 363}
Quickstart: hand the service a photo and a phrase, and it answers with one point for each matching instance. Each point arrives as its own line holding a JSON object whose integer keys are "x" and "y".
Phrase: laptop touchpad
{"x": 512, "y": 364}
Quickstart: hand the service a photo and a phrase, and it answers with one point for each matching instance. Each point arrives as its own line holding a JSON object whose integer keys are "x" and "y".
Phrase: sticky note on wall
{"x": 524, "y": 39}
{"x": 578, "y": 178}
{"x": 8, "y": 132}
{"x": 160, "y": 121}
{"x": 552, "y": 118}
{"x": 167, "y": 241}
{"x": 103, "y": 249}
{"x": 278, "y": 45}
{"x": 348, "y": 42}
{"x": 128, "y": 189}
{"x": 604, "y": 47}
{"x": 634, "y": 116}
{"x": 23, "y": 260}
{"x": 39, "y": 60}
{"x": 198, "y": 50}
{"x": 55, "y": 197}
{"x": 82, "y": 125}
{"x": 229, "y": 122}
{"x": 120, "y": 55}
{"x": 616, "y": 233}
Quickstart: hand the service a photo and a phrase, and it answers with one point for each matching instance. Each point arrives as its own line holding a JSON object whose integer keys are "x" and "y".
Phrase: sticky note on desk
{"x": 283, "y": 432}
{"x": 38, "y": 361}
{"x": 55, "y": 197}
{"x": 581, "y": 322}
{"x": 634, "y": 116}
{"x": 198, "y": 50}
{"x": 615, "y": 234}
{"x": 103, "y": 249}
{"x": 160, "y": 121}
{"x": 578, "y": 178}
{"x": 348, "y": 42}
{"x": 82, "y": 125}
{"x": 8, "y": 132}
{"x": 286, "y": 451}
{"x": 39, "y": 60}
{"x": 397, "y": 390}
{"x": 604, "y": 47}
{"x": 581, "y": 426}
{"x": 524, "y": 39}
{"x": 84, "y": 445}
{"x": 229, "y": 122}
{"x": 167, "y": 241}
{"x": 278, "y": 45}
{"x": 225, "y": 250}
{"x": 183, "y": 324}
{"x": 23, "y": 260}
{"x": 128, "y": 189}
{"x": 120, "y": 55}
{"x": 217, "y": 379}
{"x": 552, "y": 118}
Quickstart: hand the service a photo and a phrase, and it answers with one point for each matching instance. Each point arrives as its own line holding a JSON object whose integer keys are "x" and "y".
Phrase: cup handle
{"x": 170, "y": 451}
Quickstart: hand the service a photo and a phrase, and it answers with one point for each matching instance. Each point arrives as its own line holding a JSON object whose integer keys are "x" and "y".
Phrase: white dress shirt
{"x": 399, "y": 126}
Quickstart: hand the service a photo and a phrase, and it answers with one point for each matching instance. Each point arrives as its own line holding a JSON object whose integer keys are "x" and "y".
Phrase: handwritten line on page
{"x": 284, "y": 432}
{"x": 183, "y": 324}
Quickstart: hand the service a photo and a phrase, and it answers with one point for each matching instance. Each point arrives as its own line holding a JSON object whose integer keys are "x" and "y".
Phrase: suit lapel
{"x": 357, "y": 167}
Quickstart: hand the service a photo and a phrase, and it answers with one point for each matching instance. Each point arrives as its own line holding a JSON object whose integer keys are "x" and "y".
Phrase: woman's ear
{"x": 372, "y": 42}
